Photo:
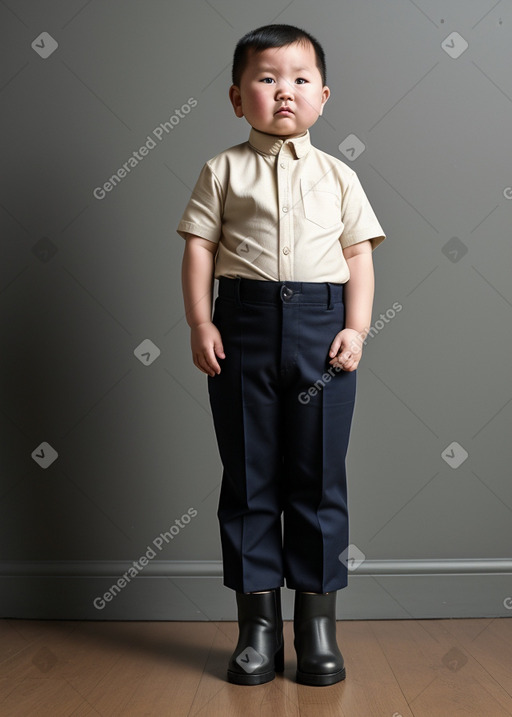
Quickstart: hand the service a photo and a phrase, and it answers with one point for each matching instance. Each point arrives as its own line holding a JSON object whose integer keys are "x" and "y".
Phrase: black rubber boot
{"x": 319, "y": 660}
{"x": 259, "y": 653}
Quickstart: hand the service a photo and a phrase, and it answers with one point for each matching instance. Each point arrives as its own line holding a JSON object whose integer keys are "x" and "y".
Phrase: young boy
{"x": 289, "y": 232}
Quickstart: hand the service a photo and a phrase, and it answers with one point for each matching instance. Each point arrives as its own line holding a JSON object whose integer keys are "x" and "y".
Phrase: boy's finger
{"x": 353, "y": 364}
{"x": 211, "y": 361}
{"x": 207, "y": 368}
{"x": 345, "y": 357}
{"x": 219, "y": 350}
{"x": 201, "y": 362}
{"x": 334, "y": 347}
{"x": 346, "y": 360}
{"x": 198, "y": 363}
{"x": 337, "y": 359}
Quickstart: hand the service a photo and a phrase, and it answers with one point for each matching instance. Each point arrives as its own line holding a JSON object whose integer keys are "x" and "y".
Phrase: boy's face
{"x": 281, "y": 90}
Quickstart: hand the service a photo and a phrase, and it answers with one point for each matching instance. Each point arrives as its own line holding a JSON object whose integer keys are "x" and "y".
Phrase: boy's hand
{"x": 206, "y": 344}
{"x": 347, "y": 349}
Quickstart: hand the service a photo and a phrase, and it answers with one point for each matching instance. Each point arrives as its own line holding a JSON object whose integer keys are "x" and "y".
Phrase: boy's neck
{"x": 281, "y": 136}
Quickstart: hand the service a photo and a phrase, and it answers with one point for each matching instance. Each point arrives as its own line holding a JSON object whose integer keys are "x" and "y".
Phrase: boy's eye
{"x": 270, "y": 80}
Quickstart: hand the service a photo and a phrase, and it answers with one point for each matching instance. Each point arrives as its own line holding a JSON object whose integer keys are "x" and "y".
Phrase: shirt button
{"x": 286, "y": 250}
{"x": 282, "y": 165}
{"x": 285, "y": 209}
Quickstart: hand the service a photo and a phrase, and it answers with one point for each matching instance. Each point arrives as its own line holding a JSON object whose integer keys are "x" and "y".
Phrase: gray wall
{"x": 95, "y": 350}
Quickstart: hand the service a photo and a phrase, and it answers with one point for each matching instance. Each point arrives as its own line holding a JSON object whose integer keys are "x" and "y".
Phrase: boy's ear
{"x": 326, "y": 92}
{"x": 236, "y": 100}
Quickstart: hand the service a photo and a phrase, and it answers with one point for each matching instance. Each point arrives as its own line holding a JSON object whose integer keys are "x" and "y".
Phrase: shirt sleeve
{"x": 203, "y": 213}
{"x": 359, "y": 219}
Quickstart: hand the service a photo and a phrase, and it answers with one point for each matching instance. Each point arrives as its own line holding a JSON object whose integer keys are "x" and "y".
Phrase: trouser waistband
{"x": 276, "y": 292}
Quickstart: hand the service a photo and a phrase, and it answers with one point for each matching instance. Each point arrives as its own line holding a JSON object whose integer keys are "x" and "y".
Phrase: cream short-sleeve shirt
{"x": 280, "y": 210}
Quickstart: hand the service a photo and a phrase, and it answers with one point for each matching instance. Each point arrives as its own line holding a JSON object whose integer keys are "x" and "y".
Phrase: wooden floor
{"x": 395, "y": 668}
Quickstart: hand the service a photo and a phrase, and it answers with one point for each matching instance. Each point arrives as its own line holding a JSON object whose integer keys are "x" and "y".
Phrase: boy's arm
{"x": 197, "y": 283}
{"x": 346, "y": 349}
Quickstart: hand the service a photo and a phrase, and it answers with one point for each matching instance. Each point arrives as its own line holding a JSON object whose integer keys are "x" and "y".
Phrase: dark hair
{"x": 273, "y": 36}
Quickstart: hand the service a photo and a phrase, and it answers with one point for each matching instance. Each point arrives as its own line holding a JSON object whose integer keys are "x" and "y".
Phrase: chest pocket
{"x": 321, "y": 206}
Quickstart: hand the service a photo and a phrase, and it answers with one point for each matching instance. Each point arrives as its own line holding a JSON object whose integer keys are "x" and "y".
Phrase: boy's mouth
{"x": 284, "y": 111}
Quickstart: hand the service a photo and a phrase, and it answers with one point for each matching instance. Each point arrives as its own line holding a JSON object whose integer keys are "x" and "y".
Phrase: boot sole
{"x": 309, "y": 678}
{"x": 239, "y": 679}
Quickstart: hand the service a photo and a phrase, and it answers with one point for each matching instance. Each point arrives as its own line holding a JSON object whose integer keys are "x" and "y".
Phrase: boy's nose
{"x": 284, "y": 91}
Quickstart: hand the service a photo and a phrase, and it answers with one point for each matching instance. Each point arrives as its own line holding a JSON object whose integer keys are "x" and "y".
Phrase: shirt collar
{"x": 272, "y": 144}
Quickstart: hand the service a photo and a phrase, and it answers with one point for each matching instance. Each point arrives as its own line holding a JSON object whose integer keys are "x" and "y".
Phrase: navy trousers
{"x": 282, "y": 417}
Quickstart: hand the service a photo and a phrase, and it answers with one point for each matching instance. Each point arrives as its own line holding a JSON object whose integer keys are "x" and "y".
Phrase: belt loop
{"x": 330, "y": 305}
{"x": 237, "y": 292}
